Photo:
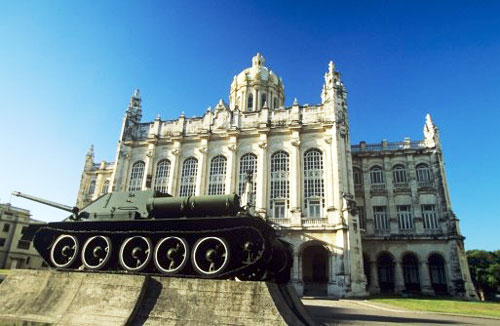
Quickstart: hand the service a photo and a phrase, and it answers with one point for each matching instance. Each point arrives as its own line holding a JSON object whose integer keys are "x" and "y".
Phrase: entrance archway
{"x": 385, "y": 266}
{"x": 315, "y": 270}
{"x": 410, "y": 273}
{"x": 438, "y": 276}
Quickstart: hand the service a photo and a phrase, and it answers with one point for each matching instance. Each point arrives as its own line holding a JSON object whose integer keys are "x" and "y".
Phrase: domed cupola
{"x": 256, "y": 86}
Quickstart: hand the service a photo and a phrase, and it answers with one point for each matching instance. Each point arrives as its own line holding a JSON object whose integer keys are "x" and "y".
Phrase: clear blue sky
{"x": 67, "y": 71}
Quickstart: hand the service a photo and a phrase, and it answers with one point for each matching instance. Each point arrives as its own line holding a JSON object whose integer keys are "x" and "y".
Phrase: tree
{"x": 485, "y": 272}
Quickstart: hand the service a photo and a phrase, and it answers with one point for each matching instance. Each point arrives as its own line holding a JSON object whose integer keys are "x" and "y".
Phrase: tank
{"x": 147, "y": 232}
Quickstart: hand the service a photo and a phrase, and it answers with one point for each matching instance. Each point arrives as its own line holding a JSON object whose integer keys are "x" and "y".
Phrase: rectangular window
{"x": 314, "y": 208}
{"x": 6, "y": 227}
{"x": 405, "y": 219}
{"x": 279, "y": 209}
{"x": 362, "y": 217}
{"x": 380, "y": 217}
{"x": 357, "y": 177}
{"x": 430, "y": 217}
{"x": 2, "y": 242}
{"x": 22, "y": 244}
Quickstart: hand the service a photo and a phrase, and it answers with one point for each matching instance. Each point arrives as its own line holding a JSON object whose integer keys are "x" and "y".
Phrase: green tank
{"x": 147, "y": 232}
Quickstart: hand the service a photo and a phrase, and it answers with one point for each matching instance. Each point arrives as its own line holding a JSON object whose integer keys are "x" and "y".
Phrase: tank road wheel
{"x": 64, "y": 251}
{"x": 210, "y": 256}
{"x": 171, "y": 255}
{"x": 96, "y": 252}
{"x": 135, "y": 253}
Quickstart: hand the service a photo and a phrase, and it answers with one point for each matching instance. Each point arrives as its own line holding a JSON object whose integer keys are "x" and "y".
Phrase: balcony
{"x": 314, "y": 222}
{"x": 383, "y": 232}
{"x": 410, "y": 231}
{"x": 401, "y": 187}
{"x": 378, "y": 189}
{"x": 425, "y": 185}
{"x": 433, "y": 232}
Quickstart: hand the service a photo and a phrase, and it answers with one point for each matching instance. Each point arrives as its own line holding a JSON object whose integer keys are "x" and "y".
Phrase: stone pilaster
{"x": 201, "y": 177}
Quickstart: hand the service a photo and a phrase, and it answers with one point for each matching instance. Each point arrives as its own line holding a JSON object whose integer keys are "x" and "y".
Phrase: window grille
{"x": 248, "y": 162}
{"x": 162, "y": 175}
{"x": 91, "y": 187}
{"x": 358, "y": 177}
{"x": 423, "y": 173}
{"x": 430, "y": 217}
{"x": 399, "y": 174}
{"x": 105, "y": 187}
{"x": 217, "y": 182}
{"x": 188, "y": 177}
{"x": 380, "y": 217}
{"x": 279, "y": 194}
{"x": 136, "y": 176}
{"x": 377, "y": 176}
{"x": 405, "y": 219}
{"x": 314, "y": 192}
{"x": 362, "y": 217}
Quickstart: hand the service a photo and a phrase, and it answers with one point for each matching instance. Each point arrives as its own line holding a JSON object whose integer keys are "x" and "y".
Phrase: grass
{"x": 4, "y": 271}
{"x": 489, "y": 309}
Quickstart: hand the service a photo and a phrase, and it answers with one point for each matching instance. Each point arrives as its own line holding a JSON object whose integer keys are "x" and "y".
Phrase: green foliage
{"x": 485, "y": 270}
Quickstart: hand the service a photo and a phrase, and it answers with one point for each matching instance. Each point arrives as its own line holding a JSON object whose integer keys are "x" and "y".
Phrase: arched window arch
{"x": 105, "y": 187}
{"x": 250, "y": 102}
{"x": 248, "y": 162}
{"x": 314, "y": 193}
{"x": 263, "y": 100}
{"x": 217, "y": 181}
{"x": 136, "y": 176}
{"x": 399, "y": 174}
{"x": 279, "y": 194}
{"x": 91, "y": 187}
{"x": 188, "y": 177}
{"x": 162, "y": 175}
{"x": 377, "y": 176}
{"x": 424, "y": 174}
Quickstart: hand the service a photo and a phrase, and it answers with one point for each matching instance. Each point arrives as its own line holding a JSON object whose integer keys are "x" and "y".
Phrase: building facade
{"x": 14, "y": 252}
{"x": 308, "y": 181}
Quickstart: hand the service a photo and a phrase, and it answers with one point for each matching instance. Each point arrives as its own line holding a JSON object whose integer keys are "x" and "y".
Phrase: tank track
{"x": 217, "y": 247}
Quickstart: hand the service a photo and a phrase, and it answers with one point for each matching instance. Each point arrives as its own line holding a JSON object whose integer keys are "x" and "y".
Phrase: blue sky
{"x": 67, "y": 71}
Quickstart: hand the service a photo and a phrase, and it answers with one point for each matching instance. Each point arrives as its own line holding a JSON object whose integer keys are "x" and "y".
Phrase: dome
{"x": 256, "y": 82}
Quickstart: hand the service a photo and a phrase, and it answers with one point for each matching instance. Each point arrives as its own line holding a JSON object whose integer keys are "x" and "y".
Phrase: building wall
{"x": 328, "y": 248}
{"x": 14, "y": 252}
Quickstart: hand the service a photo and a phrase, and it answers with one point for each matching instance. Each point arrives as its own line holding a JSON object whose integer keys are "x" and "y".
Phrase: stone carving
{"x": 349, "y": 203}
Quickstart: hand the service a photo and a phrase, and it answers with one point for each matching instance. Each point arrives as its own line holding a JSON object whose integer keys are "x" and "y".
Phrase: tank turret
{"x": 149, "y": 232}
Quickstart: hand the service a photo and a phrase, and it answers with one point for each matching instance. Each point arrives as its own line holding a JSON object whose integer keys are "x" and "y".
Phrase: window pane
{"x": 136, "y": 176}
{"x": 188, "y": 177}
{"x": 217, "y": 182}
{"x": 162, "y": 176}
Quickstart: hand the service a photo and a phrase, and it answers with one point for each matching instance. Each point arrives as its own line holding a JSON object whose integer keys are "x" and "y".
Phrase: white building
{"x": 306, "y": 175}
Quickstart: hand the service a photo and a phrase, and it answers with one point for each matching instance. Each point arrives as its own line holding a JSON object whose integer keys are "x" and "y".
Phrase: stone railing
{"x": 382, "y": 232}
{"x": 314, "y": 222}
{"x": 387, "y": 146}
{"x": 426, "y": 184}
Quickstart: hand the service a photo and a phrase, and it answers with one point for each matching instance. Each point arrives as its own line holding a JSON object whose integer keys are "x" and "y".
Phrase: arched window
{"x": 250, "y": 102}
{"x": 217, "y": 182}
{"x": 399, "y": 174}
{"x": 314, "y": 193}
{"x": 357, "y": 176}
{"x": 162, "y": 175}
{"x": 377, "y": 177}
{"x": 105, "y": 187}
{"x": 263, "y": 99}
{"x": 188, "y": 177}
{"x": 279, "y": 194}
{"x": 410, "y": 273}
{"x": 424, "y": 175}
{"x": 248, "y": 162}
{"x": 438, "y": 275}
{"x": 136, "y": 176}
{"x": 91, "y": 187}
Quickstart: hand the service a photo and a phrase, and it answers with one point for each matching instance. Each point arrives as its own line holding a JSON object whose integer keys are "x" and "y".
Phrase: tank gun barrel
{"x": 67, "y": 208}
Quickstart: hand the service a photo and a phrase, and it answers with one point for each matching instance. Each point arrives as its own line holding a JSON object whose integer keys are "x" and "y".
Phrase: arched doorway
{"x": 315, "y": 270}
{"x": 410, "y": 273}
{"x": 385, "y": 266}
{"x": 366, "y": 266}
{"x": 438, "y": 276}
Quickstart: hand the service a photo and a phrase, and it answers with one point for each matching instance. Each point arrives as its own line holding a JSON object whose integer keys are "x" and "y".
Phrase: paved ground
{"x": 334, "y": 312}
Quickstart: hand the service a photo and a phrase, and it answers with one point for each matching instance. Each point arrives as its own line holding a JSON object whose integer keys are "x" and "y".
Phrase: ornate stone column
{"x": 261, "y": 200}
{"x": 425, "y": 280}
{"x": 202, "y": 162}
{"x": 295, "y": 181}
{"x": 174, "y": 176}
{"x": 399, "y": 283}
